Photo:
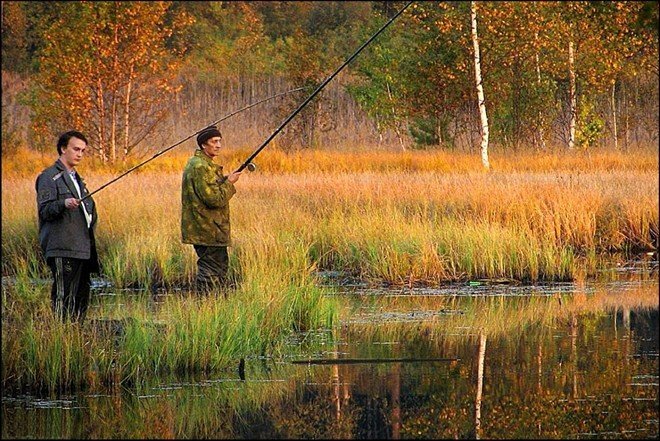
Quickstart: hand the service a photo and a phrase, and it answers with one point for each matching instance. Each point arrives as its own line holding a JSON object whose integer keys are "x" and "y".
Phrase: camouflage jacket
{"x": 205, "y": 198}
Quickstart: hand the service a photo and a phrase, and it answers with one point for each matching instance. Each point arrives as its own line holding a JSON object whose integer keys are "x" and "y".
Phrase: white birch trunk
{"x": 614, "y": 126}
{"x": 127, "y": 103}
{"x": 113, "y": 128}
{"x": 480, "y": 89}
{"x": 538, "y": 82}
{"x": 101, "y": 109}
{"x": 397, "y": 130}
{"x": 113, "y": 111}
{"x": 127, "y": 111}
{"x": 627, "y": 126}
{"x": 572, "y": 95}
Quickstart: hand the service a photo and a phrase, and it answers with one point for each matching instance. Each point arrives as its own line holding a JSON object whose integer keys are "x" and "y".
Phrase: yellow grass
{"x": 28, "y": 163}
{"x": 398, "y": 217}
{"x": 403, "y": 218}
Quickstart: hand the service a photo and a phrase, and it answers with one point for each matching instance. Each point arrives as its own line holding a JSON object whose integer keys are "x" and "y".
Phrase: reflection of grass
{"x": 181, "y": 406}
{"x": 435, "y": 403}
{"x": 458, "y": 317}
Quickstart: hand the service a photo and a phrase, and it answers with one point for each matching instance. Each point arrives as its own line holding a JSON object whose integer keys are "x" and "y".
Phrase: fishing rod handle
{"x": 250, "y": 167}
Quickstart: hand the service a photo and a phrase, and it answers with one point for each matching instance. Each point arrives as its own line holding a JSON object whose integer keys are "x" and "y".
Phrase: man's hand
{"x": 234, "y": 177}
{"x": 71, "y": 203}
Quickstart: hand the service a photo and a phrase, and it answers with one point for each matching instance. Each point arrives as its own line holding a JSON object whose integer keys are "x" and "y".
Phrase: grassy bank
{"x": 27, "y": 163}
{"x": 435, "y": 221}
{"x": 414, "y": 218}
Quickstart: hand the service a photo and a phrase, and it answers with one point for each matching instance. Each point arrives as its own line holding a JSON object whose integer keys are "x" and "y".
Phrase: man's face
{"x": 212, "y": 146}
{"x": 73, "y": 153}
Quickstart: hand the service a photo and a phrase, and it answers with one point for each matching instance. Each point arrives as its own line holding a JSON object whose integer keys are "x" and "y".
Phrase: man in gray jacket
{"x": 66, "y": 228}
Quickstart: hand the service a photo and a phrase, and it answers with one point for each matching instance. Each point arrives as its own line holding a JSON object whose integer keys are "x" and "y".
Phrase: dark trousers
{"x": 71, "y": 287}
{"x": 212, "y": 266}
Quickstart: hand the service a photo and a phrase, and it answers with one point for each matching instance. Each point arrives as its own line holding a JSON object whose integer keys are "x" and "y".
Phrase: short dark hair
{"x": 65, "y": 137}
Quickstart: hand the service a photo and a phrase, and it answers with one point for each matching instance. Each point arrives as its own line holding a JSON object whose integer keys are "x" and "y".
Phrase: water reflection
{"x": 480, "y": 382}
{"x": 585, "y": 367}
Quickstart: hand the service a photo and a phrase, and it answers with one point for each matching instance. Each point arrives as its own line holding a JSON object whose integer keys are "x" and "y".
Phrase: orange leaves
{"x": 92, "y": 62}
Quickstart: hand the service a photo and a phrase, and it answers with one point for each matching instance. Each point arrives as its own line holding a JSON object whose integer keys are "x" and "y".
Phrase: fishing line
{"x": 188, "y": 137}
{"x": 248, "y": 161}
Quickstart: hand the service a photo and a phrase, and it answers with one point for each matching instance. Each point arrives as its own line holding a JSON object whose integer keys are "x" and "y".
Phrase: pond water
{"x": 575, "y": 361}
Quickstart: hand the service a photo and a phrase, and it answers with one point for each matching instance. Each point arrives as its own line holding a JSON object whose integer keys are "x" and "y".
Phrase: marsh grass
{"x": 410, "y": 218}
{"x": 399, "y": 223}
{"x": 129, "y": 344}
{"x": 184, "y": 334}
{"x": 277, "y": 296}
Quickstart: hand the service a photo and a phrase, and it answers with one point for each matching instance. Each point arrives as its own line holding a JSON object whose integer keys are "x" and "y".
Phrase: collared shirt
{"x": 72, "y": 174}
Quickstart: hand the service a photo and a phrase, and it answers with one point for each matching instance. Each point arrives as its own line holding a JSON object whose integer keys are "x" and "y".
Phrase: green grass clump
{"x": 185, "y": 334}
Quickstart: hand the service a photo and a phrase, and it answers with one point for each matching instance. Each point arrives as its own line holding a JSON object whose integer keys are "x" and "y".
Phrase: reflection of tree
{"x": 395, "y": 398}
{"x": 539, "y": 384}
{"x": 340, "y": 385}
{"x": 539, "y": 361}
{"x": 480, "y": 383}
{"x": 336, "y": 399}
{"x": 626, "y": 319}
{"x": 574, "y": 361}
{"x": 372, "y": 418}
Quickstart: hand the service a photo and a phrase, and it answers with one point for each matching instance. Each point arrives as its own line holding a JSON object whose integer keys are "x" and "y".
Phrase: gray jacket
{"x": 64, "y": 232}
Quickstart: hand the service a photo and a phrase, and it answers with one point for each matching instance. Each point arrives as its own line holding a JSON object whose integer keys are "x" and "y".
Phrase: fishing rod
{"x": 251, "y": 167}
{"x": 248, "y": 161}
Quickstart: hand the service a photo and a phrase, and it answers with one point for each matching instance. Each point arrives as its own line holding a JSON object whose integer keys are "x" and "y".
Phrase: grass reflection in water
{"x": 580, "y": 364}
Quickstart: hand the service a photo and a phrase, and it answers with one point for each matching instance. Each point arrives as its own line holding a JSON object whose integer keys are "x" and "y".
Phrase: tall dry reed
{"x": 392, "y": 222}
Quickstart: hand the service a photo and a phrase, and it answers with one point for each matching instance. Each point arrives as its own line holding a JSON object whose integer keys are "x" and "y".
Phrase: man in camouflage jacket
{"x": 205, "y": 195}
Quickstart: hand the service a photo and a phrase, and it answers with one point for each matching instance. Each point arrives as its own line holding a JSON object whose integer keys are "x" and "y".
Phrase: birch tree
{"x": 520, "y": 91}
{"x": 537, "y": 65}
{"x": 480, "y": 88}
{"x": 106, "y": 69}
{"x": 480, "y": 384}
{"x": 596, "y": 45}
{"x": 565, "y": 36}
{"x": 572, "y": 94}
{"x": 616, "y": 50}
{"x": 379, "y": 88}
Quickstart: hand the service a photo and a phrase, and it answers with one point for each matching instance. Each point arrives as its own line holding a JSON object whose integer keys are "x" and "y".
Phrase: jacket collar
{"x": 66, "y": 176}
{"x": 60, "y": 165}
{"x": 200, "y": 154}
